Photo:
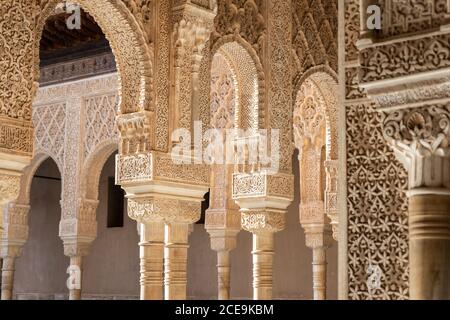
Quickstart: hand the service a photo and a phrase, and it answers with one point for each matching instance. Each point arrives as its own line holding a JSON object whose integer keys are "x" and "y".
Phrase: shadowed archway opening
{"x": 111, "y": 270}
{"x": 41, "y": 269}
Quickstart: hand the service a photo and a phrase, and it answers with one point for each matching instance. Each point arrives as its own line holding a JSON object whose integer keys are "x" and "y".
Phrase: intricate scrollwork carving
{"x": 262, "y": 220}
{"x": 164, "y": 210}
{"x": 408, "y": 16}
{"x": 392, "y": 60}
{"x": 376, "y": 182}
{"x": 134, "y": 168}
{"x": 424, "y": 130}
{"x": 377, "y": 208}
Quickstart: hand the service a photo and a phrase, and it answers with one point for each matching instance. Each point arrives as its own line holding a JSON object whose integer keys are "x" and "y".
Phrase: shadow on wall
{"x": 292, "y": 267}
{"x": 41, "y": 270}
{"x": 111, "y": 271}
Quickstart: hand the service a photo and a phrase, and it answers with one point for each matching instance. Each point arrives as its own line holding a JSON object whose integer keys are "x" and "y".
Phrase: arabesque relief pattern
{"x": 376, "y": 183}
{"x": 416, "y": 126}
{"x": 74, "y": 122}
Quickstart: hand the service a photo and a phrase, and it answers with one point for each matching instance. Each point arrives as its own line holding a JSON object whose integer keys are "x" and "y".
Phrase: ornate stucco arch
{"x": 28, "y": 174}
{"x": 315, "y": 136}
{"x": 15, "y": 215}
{"x": 93, "y": 166}
{"x": 129, "y": 44}
{"x": 250, "y": 81}
{"x": 325, "y": 80}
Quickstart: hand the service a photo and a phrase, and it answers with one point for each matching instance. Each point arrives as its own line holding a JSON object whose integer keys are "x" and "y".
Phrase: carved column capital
{"x": 167, "y": 210}
{"x": 78, "y": 233}
{"x": 15, "y": 234}
{"x": 263, "y": 199}
{"x": 420, "y": 138}
{"x": 263, "y": 220}
{"x": 135, "y": 132}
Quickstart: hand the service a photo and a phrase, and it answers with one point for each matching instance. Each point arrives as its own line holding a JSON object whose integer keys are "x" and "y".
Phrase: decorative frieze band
{"x": 261, "y": 184}
{"x": 137, "y": 168}
{"x": 14, "y": 137}
{"x": 396, "y": 59}
{"x": 78, "y": 69}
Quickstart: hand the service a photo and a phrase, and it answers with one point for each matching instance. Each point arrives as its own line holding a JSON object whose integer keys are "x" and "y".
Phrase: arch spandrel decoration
{"x": 129, "y": 44}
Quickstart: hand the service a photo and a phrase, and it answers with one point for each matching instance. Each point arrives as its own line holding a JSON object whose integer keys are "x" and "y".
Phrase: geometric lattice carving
{"x": 377, "y": 232}
{"x": 101, "y": 112}
{"x": 50, "y": 125}
{"x": 377, "y": 209}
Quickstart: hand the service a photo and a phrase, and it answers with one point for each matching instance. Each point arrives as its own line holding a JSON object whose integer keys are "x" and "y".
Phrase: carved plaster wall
{"x": 75, "y": 126}
{"x": 377, "y": 224}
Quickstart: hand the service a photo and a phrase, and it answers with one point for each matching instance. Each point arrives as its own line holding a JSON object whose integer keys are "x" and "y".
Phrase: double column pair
{"x": 165, "y": 199}
{"x": 163, "y": 251}
{"x": 77, "y": 235}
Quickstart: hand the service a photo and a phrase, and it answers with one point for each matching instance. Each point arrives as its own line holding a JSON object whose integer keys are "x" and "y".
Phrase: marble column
{"x": 429, "y": 245}
{"x": 223, "y": 242}
{"x": 12, "y": 240}
{"x": 263, "y": 209}
{"x": 8, "y": 277}
{"x": 151, "y": 254}
{"x": 167, "y": 202}
{"x": 75, "y": 274}
{"x": 175, "y": 261}
{"x": 263, "y": 252}
{"x": 420, "y": 138}
{"x": 223, "y": 223}
{"x": 77, "y": 235}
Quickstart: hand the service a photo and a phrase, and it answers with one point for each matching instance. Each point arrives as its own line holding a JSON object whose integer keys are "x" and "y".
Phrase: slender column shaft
{"x": 429, "y": 232}
{"x": 263, "y": 252}
{"x": 223, "y": 270}
{"x": 319, "y": 273}
{"x": 175, "y": 264}
{"x": 151, "y": 252}
{"x": 8, "y": 277}
{"x": 75, "y": 291}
